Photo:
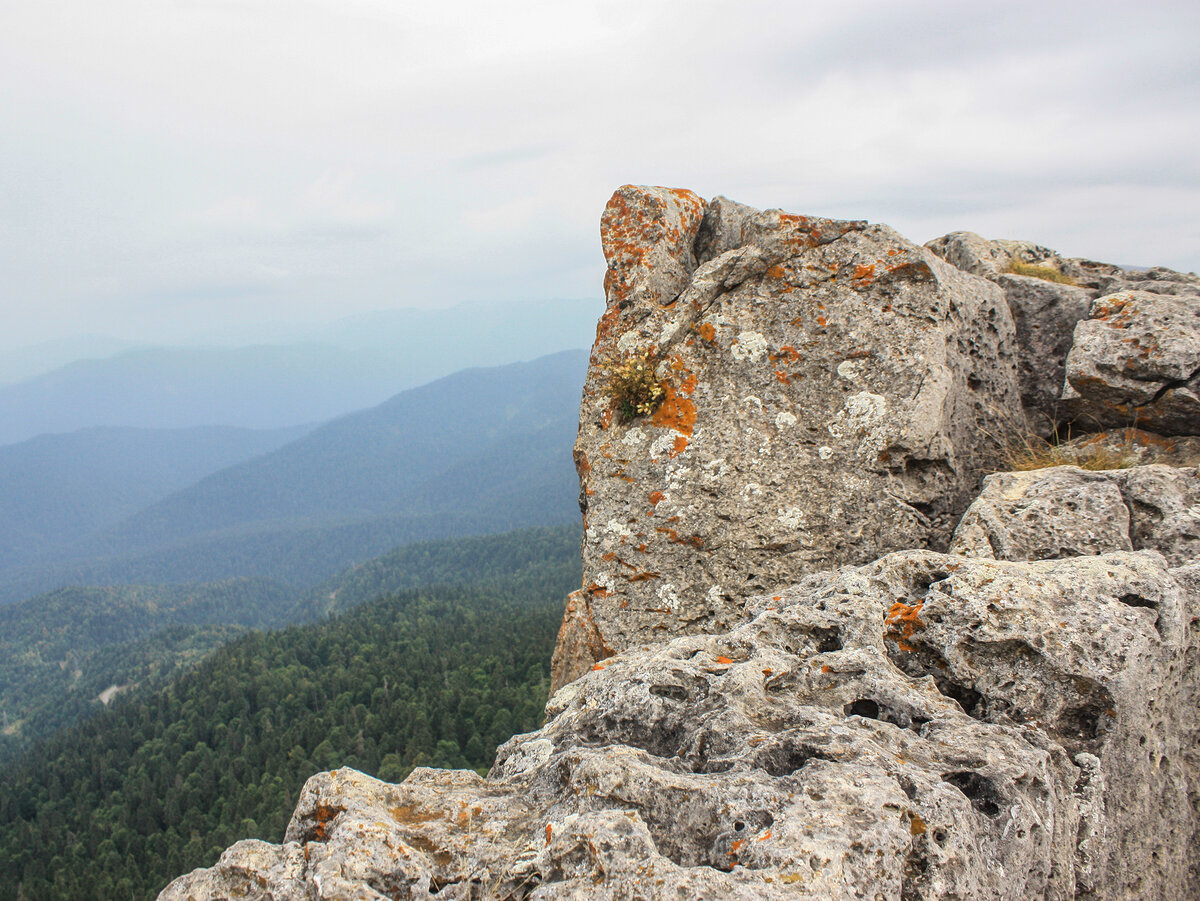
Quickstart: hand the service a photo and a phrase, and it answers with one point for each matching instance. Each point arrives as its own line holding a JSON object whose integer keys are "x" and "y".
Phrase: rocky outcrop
{"x": 1136, "y": 359}
{"x": 801, "y": 358}
{"x": 751, "y": 705}
{"x": 926, "y": 726}
{"x": 1114, "y": 388}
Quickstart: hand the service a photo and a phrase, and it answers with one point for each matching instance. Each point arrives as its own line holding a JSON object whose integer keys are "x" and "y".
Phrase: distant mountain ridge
{"x": 481, "y": 451}
{"x": 347, "y": 365}
{"x": 58, "y": 489}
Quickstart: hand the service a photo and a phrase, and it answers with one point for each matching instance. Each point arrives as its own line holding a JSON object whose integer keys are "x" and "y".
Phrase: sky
{"x": 232, "y": 170}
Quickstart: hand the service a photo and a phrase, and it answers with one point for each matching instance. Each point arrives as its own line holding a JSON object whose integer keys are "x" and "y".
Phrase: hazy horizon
{"x": 204, "y": 169}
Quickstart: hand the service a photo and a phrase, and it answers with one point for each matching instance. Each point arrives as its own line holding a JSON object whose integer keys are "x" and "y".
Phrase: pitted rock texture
{"x": 1065, "y": 511}
{"x": 926, "y": 726}
{"x": 828, "y": 388}
{"x": 1046, "y": 314}
{"x": 1136, "y": 359}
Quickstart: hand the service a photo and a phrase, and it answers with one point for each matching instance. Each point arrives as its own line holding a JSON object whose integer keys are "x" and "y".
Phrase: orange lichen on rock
{"x": 642, "y": 577}
{"x": 656, "y": 497}
{"x": 675, "y": 412}
{"x": 903, "y": 621}
{"x": 707, "y": 331}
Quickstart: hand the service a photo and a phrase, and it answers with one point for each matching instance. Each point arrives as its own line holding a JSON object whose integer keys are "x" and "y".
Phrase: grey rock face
{"x": 927, "y": 726}
{"x": 979, "y": 256}
{"x": 1046, "y": 314}
{"x": 1065, "y": 511}
{"x": 827, "y": 386}
{"x": 1045, "y": 514}
{"x": 1136, "y": 360}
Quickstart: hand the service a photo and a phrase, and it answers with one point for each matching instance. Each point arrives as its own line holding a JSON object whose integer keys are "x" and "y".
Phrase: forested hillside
{"x": 162, "y": 780}
{"x": 59, "y": 651}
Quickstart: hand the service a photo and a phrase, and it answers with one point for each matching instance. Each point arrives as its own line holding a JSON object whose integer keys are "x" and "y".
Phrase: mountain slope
{"x": 57, "y": 489}
{"x": 479, "y": 452}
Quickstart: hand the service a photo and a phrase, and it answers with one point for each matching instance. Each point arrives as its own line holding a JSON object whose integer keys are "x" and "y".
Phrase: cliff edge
{"x": 816, "y": 654}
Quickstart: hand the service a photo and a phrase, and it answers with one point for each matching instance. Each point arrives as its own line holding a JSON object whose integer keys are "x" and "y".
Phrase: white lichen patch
{"x": 668, "y": 593}
{"x": 662, "y": 446}
{"x": 751, "y": 400}
{"x": 634, "y": 437}
{"x": 825, "y": 452}
{"x": 714, "y": 471}
{"x": 617, "y": 529}
{"x": 749, "y": 346}
{"x": 751, "y": 490}
{"x": 785, "y": 420}
{"x": 792, "y": 518}
{"x": 629, "y": 341}
{"x": 861, "y": 420}
{"x": 715, "y": 595}
{"x": 848, "y": 369}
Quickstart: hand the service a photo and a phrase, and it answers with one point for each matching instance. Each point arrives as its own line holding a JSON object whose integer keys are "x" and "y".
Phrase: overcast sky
{"x": 184, "y": 169}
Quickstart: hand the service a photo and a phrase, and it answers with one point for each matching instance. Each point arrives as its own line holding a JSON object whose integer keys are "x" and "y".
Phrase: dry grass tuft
{"x": 1031, "y": 452}
{"x": 1045, "y": 273}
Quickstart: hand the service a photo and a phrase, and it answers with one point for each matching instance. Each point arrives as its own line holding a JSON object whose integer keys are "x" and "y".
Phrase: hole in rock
{"x": 1136, "y": 600}
{"x": 828, "y": 640}
{"x": 966, "y": 698}
{"x": 1081, "y": 723}
{"x": 863, "y": 707}
{"x": 788, "y": 759}
{"x": 671, "y": 692}
{"x": 980, "y": 790}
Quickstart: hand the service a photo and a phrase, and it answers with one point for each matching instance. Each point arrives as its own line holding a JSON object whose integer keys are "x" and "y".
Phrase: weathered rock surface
{"x": 1065, "y": 511}
{"x": 1046, "y": 314}
{"x": 827, "y": 386}
{"x": 1136, "y": 360}
{"x": 927, "y": 726}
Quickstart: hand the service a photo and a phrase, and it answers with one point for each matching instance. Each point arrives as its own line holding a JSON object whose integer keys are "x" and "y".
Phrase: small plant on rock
{"x": 634, "y": 387}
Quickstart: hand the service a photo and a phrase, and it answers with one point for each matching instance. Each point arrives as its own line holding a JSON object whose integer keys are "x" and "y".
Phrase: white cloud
{"x": 369, "y": 154}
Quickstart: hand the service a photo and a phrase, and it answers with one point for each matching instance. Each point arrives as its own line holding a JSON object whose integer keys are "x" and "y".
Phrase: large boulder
{"x": 1065, "y": 511}
{"x": 1136, "y": 361}
{"x": 926, "y": 726}
{"x": 826, "y": 392}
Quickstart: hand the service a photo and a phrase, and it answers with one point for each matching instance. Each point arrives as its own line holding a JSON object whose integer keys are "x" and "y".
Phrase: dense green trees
{"x": 162, "y": 781}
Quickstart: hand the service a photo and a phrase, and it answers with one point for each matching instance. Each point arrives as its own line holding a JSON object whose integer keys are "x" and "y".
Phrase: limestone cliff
{"x": 803, "y": 662}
